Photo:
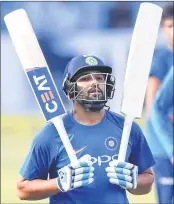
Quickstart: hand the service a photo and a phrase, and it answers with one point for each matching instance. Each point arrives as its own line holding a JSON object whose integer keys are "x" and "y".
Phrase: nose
{"x": 95, "y": 83}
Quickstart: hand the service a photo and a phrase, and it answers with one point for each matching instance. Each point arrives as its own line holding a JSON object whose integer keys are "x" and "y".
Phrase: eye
{"x": 85, "y": 78}
{"x": 100, "y": 78}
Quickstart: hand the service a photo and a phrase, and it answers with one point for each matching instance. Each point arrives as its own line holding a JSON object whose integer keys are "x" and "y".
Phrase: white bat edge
{"x": 125, "y": 138}
{"x": 58, "y": 123}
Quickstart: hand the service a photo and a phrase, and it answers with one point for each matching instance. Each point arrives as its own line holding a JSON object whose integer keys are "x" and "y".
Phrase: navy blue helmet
{"x": 85, "y": 63}
{"x": 80, "y": 66}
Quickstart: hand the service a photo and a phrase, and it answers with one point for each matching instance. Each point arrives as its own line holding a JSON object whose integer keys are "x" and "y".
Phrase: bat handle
{"x": 58, "y": 123}
{"x": 125, "y": 138}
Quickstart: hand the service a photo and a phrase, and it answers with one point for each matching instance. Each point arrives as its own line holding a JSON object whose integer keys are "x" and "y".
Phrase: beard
{"x": 92, "y": 94}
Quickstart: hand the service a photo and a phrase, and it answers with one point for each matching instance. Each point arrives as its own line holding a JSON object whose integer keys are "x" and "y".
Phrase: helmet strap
{"x": 92, "y": 106}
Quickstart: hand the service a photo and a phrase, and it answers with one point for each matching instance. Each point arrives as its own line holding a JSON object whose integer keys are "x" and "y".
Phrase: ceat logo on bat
{"x": 45, "y": 92}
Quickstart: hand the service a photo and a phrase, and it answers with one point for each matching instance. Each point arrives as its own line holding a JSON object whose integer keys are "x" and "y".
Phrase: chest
{"x": 102, "y": 144}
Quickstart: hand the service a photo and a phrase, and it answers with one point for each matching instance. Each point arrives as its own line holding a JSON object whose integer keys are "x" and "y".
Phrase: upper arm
{"x": 141, "y": 154}
{"x": 36, "y": 163}
{"x": 38, "y": 159}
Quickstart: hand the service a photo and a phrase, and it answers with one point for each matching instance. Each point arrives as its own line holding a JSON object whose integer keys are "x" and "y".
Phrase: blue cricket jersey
{"x": 161, "y": 64}
{"x": 102, "y": 141}
{"x": 161, "y": 108}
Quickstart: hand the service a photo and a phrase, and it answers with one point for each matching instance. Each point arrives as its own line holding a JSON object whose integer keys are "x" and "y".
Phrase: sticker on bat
{"x": 45, "y": 92}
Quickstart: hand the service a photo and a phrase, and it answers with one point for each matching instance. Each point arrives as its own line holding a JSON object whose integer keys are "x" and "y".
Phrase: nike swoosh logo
{"x": 77, "y": 151}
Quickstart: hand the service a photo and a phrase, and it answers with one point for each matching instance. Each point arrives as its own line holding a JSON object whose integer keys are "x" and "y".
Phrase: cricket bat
{"x": 138, "y": 68}
{"x": 38, "y": 74}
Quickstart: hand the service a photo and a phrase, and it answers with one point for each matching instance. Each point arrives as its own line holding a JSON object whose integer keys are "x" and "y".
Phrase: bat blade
{"x": 140, "y": 58}
{"x": 38, "y": 73}
{"x": 24, "y": 39}
{"x": 34, "y": 63}
{"x": 138, "y": 68}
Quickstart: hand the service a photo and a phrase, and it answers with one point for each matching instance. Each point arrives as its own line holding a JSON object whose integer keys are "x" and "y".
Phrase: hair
{"x": 168, "y": 11}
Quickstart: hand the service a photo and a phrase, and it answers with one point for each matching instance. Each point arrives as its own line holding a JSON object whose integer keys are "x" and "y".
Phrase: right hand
{"x": 70, "y": 177}
{"x": 123, "y": 174}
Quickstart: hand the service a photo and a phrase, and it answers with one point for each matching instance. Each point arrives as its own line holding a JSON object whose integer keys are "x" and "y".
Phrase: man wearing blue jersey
{"x": 162, "y": 107}
{"x": 161, "y": 64}
{"x": 95, "y": 134}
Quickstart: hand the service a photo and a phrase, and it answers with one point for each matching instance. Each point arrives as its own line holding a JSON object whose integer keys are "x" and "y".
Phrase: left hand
{"x": 123, "y": 174}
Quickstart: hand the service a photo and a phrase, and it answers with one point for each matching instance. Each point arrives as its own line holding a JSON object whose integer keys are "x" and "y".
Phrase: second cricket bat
{"x": 138, "y": 67}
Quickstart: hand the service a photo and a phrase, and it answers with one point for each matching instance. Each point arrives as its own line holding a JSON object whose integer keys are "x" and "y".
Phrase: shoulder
{"x": 136, "y": 129}
{"x": 115, "y": 118}
{"x": 118, "y": 119}
{"x": 137, "y": 135}
{"x": 45, "y": 134}
{"x": 67, "y": 120}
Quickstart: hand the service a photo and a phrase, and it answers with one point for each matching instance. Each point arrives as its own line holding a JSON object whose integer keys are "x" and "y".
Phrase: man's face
{"x": 92, "y": 86}
{"x": 168, "y": 29}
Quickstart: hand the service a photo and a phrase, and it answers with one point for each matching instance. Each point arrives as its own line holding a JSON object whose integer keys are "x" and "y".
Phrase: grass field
{"x": 16, "y": 136}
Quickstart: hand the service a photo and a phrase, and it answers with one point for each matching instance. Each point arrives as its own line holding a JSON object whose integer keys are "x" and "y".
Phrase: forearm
{"x": 37, "y": 189}
{"x": 144, "y": 185}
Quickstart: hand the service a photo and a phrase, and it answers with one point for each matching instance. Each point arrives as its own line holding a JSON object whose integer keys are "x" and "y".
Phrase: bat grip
{"x": 125, "y": 138}
{"x": 58, "y": 123}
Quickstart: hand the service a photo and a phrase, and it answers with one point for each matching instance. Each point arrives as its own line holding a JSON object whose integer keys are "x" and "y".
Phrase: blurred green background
{"x": 17, "y": 133}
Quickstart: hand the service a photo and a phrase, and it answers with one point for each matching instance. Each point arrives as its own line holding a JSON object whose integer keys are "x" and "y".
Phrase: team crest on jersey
{"x": 111, "y": 143}
{"x": 91, "y": 61}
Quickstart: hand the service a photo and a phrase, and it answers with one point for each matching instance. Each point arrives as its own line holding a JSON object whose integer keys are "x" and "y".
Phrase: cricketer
{"x": 95, "y": 133}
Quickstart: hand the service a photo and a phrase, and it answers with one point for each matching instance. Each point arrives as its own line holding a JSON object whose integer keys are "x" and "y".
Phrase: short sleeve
{"x": 141, "y": 154}
{"x": 36, "y": 164}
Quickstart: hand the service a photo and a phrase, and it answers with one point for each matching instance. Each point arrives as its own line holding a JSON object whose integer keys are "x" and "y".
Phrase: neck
{"x": 85, "y": 117}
